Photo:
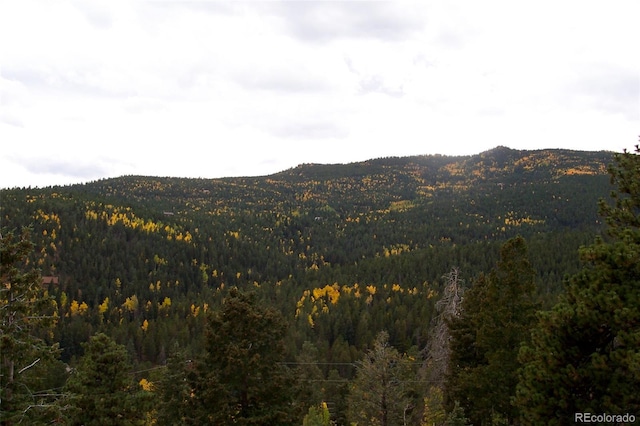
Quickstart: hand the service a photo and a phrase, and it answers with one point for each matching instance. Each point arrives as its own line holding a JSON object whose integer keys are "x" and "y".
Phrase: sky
{"x": 92, "y": 89}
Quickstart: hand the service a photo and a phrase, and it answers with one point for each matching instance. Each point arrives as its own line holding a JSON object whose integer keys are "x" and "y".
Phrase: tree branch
{"x": 29, "y": 366}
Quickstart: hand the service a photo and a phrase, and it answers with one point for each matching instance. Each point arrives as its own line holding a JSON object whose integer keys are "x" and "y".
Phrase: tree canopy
{"x": 584, "y": 356}
{"x": 496, "y": 315}
{"x": 26, "y": 314}
{"x": 241, "y": 377}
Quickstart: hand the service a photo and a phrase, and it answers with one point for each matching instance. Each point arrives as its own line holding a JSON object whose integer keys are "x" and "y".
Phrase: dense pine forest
{"x": 396, "y": 291}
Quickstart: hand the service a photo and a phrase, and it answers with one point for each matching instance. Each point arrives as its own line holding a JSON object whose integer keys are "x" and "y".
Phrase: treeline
{"x": 351, "y": 266}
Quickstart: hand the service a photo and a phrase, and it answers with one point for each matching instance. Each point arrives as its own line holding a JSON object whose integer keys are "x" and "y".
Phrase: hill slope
{"x": 342, "y": 250}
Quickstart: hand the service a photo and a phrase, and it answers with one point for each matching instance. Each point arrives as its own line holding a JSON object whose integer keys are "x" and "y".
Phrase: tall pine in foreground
{"x": 496, "y": 316}
{"x": 241, "y": 379}
{"x": 102, "y": 388}
{"x": 585, "y": 353}
{"x": 24, "y": 357}
{"x": 381, "y": 392}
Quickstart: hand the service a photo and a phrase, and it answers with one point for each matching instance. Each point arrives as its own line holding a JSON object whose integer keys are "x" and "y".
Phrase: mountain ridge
{"x": 133, "y": 249}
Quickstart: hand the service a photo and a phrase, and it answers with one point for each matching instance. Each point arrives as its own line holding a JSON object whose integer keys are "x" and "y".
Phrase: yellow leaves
{"x": 131, "y": 303}
{"x": 146, "y": 385}
{"x": 396, "y": 249}
{"x": 401, "y": 206}
{"x": 104, "y": 306}
{"x": 511, "y": 220}
{"x": 371, "y": 289}
{"x": 114, "y": 215}
{"x": 78, "y": 308}
{"x": 317, "y": 293}
{"x": 145, "y": 326}
{"x": 166, "y": 304}
{"x": 195, "y": 310}
{"x": 332, "y": 292}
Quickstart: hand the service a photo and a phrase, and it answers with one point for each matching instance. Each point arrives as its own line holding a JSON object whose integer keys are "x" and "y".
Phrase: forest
{"x": 495, "y": 289}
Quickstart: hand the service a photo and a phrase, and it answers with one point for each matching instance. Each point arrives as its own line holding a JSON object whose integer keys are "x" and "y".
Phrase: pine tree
{"x": 496, "y": 316}
{"x": 585, "y": 353}
{"x": 380, "y": 394}
{"x": 317, "y": 416}
{"x": 24, "y": 313}
{"x": 102, "y": 388}
{"x": 174, "y": 391}
{"x": 308, "y": 378}
{"x": 241, "y": 378}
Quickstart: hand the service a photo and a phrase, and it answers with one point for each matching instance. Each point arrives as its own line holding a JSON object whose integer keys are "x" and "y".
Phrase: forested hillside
{"x": 342, "y": 252}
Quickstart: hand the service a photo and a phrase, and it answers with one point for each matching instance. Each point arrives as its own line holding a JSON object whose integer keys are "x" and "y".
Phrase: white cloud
{"x": 210, "y": 89}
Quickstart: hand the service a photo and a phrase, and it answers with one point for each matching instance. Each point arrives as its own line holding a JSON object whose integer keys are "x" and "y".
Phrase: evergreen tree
{"x": 380, "y": 394}
{"x": 497, "y": 313}
{"x": 308, "y": 378}
{"x": 585, "y": 353}
{"x": 174, "y": 391}
{"x": 317, "y": 416}
{"x": 336, "y": 392}
{"x": 241, "y": 379}
{"x": 24, "y": 313}
{"x": 102, "y": 388}
{"x": 456, "y": 417}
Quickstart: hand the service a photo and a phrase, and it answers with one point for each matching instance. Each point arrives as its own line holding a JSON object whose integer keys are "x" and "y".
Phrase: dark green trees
{"x": 102, "y": 388}
{"x": 585, "y": 353}
{"x": 241, "y": 380}
{"x": 497, "y": 313}
{"x": 381, "y": 391}
{"x": 174, "y": 390}
{"x": 24, "y": 312}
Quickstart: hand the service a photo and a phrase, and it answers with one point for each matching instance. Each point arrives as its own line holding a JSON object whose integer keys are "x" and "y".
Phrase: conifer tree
{"x": 174, "y": 391}
{"x": 308, "y": 378}
{"x": 24, "y": 312}
{"x": 241, "y": 379}
{"x": 380, "y": 394}
{"x": 585, "y": 353}
{"x": 317, "y": 416}
{"x": 496, "y": 316}
{"x": 102, "y": 388}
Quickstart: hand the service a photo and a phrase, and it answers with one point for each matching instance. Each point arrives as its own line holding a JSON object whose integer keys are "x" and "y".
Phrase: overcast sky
{"x": 93, "y": 89}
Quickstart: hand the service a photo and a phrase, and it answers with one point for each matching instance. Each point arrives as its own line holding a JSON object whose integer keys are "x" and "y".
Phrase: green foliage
{"x": 381, "y": 393}
{"x": 174, "y": 391}
{"x": 317, "y": 416}
{"x": 434, "y": 412}
{"x": 102, "y": 389}
{"x": 144, "y": 260}
{"x": 308, "y": 378}
{"x": 241, "y": 378}
{"x": 497, "y": 313}
{"x": 25, "y": 314}
{"x": 584, "y": 354}
{"x": 456, "y": 417}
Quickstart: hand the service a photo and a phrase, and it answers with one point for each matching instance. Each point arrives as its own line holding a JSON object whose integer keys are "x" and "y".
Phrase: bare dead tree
{"x": 437, "y": 350}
